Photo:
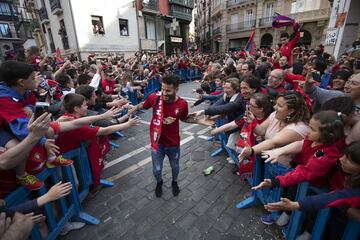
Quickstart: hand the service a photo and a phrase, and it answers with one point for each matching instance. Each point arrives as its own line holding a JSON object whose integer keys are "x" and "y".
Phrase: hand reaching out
{"x": 284, "y": 205}
{"x": 55, "y": 192}
{"x": 51, "y": 148}
{"x": 133, "y": 121}
{"x": 110, "y": 113}
{"x": 36, "y": 218}
{"x": 271, "y": 155}
{"x": 246, "y": 152}
{"x": 40, "y": 126}
{"x": 264, "y": 184}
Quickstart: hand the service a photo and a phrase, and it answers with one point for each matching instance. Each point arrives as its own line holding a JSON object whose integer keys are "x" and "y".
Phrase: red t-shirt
{"x": 170, "y": 136}
{"x": 108, "y": 87}
{"x": 70, "y": 140}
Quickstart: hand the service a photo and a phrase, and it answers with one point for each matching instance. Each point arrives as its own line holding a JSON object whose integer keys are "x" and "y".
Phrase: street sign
{"x": 331, "y": 36}
{"x": 176, "y": 39}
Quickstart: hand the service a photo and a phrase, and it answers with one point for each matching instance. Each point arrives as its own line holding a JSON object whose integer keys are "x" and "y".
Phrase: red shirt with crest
{"x": 170, "y": 136}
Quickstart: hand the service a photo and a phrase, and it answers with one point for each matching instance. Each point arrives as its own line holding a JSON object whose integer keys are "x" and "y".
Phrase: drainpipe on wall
{"x": 76, "y": 38}
{"x": 137, "y": 25}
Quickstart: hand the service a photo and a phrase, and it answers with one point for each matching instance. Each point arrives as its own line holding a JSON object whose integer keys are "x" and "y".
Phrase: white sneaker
{"x": 283, "y": 219}
{"x": 71, "y": 226}
{"x": 230, "y": 160}
{"x": 304, "y": 236}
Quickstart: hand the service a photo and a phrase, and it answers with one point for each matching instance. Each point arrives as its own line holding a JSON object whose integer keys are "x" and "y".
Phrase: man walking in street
{"x": 168, "y": 109}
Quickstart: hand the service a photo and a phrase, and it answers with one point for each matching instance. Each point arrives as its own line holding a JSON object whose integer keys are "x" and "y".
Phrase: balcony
{"x": 312, "y": 16}
{"x": 8, "y": 13}
{"x": 44, "y": 18}
{"x": 35, "y": 26}
{"x": 265, "y": 22}
{"x": 237, "y": 3}
{"x": 65, "y": 42}
{"x": 52, "y": 47}
{"x": 181, "y": 15}
{"x": 216, "y": 10}
{"x": 208, "y": 36}
{"x": 184, "y": 3}
{"x": 29, "y": 4}
{"x": 216, "y": 31}
{"x": 56, "y": 8}
{"x": 151, "y": 5}
{"x": 241, "y": 26}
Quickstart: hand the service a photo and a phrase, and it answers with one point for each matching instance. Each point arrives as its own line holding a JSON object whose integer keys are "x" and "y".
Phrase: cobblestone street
{"x": 204, "y": 209}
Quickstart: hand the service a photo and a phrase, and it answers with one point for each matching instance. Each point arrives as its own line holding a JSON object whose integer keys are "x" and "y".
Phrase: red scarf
{"x": 246, "y": 138}
{"x": 156, "y": 121}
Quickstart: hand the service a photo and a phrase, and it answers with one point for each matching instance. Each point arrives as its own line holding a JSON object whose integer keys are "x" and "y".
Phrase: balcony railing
{"x": 312, "y": 15}
{"x": 44, "y": 18}
{"x": 233, "y": 3}
{"x": 181, "y": 15}
{"x": 216, "y": 31}
{"x": 241, "y": 26}
{"x": 152, "y": 5}
{"x": 29, "y": 4}
{"x": 65, "y": 42}
{"x": 216, "y": 9}
{"x": 265, "y": 22}
{"x": 208, "y": 36}
{"x": 35, "y": 26}
{"x": 188, "y": 3}
{"x": 52, "y": 47}
{"x": 56, "y": 8}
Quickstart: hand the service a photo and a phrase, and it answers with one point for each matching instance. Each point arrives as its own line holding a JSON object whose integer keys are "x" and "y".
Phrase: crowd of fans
{"x": 297, "y": 107}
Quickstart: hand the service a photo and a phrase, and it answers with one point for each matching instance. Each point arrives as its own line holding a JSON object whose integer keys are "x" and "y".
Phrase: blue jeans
{"x": 173, "y": 154}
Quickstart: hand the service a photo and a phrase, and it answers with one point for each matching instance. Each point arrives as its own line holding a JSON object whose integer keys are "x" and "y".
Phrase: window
{"x": 248, "y": 18}
{"x": 6, "y": 9}
{"x": 297, "y": 6}
{"x": 150, "y": 28}
{"x": 124, "y": 27}
{"x": 269, "y": 12}
{"x": 97, "y": 25}
{"x": 5, "y": 30}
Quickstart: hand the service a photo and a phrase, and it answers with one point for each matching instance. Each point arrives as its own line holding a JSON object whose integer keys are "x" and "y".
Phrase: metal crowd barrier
{"x": 70, "y": 206}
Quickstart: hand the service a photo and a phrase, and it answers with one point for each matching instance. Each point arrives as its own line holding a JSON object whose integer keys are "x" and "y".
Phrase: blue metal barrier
{"x": 70, "y": 209}
{"x": 222, "y": 137}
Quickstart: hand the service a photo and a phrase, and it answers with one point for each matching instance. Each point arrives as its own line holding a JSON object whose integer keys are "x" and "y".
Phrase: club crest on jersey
{"x": 176, "y": 111}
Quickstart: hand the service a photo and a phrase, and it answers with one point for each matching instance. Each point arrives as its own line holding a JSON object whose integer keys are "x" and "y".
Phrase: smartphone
{"x": 247, "y": 110}
{"x": 41, "y": 108}
{"x": 316, "y": 76}
{"x": 357, "y": 64}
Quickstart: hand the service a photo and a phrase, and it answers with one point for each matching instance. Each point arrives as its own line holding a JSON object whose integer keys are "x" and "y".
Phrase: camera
{"x": 41, "y": 108}
{"x": 316, "y": 76}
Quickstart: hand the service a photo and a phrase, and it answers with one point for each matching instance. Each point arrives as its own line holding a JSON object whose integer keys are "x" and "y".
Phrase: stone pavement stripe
{"x": 141, "y": 163}
{"x": 124, "y": 172}
{"x": 145, "y": 122}
{"x": 201, "y": 132}
{"x": 188, "y": 133}
{"x": 126, "y": 156}
{"x": 189, "y": 127}
{"x": 203, "y": 137}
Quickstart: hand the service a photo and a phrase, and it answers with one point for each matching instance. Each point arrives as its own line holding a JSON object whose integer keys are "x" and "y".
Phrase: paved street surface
{"x": 204, "y": 209}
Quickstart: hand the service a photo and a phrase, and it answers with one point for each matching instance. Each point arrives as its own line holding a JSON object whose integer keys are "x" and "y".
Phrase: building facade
{"x": 233, "y": 21}
{"x": 164, "y": 24}
{"x": 17, "y": 26}
{"x": 83, "y": 29}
